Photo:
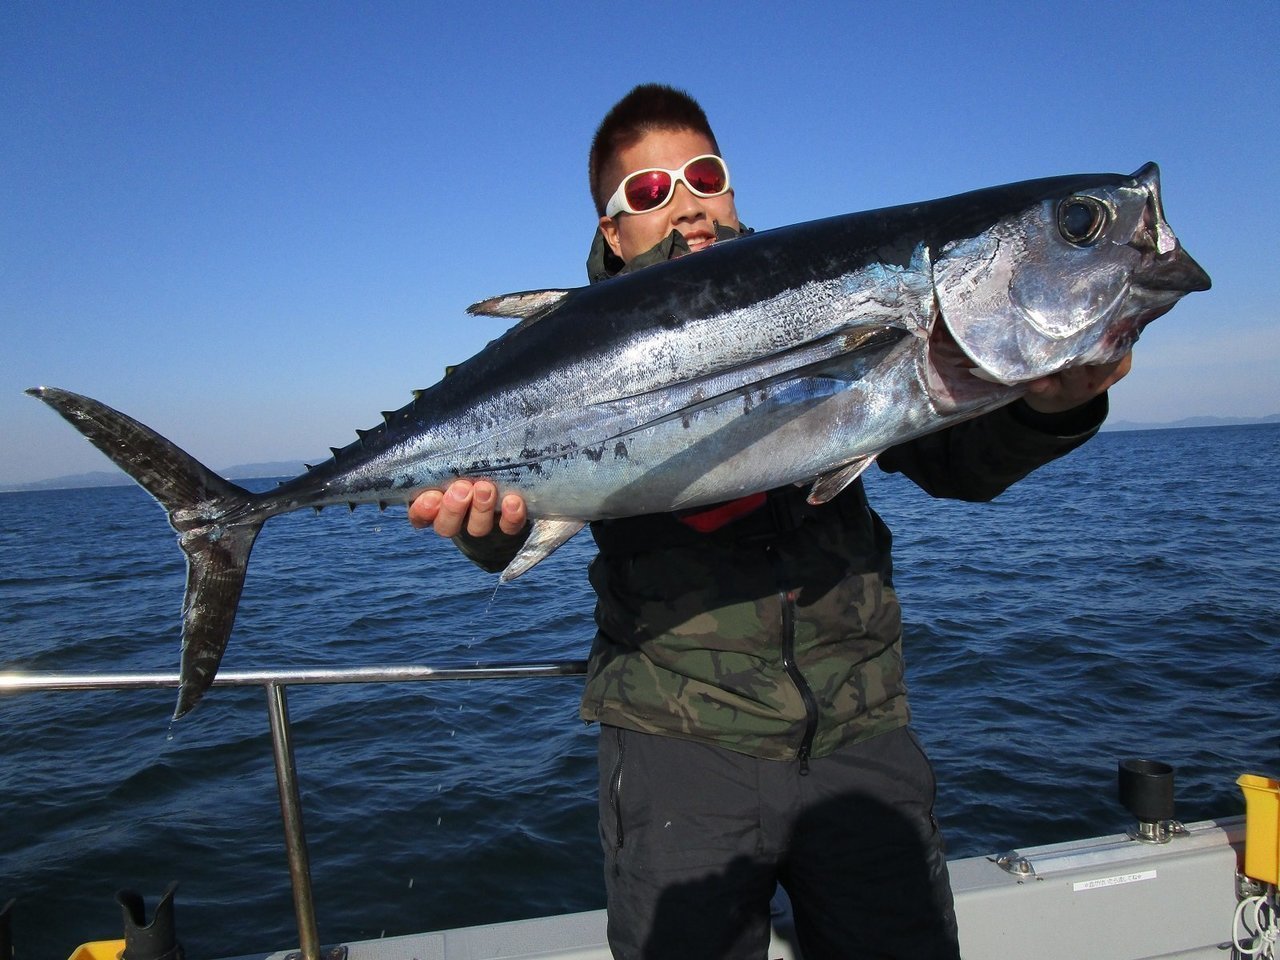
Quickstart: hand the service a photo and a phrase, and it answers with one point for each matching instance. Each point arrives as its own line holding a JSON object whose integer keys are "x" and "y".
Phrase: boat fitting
{"x": 1015, "y": 863}
{"x": 1145, "y": 789}
{"x": 156, "y": 940}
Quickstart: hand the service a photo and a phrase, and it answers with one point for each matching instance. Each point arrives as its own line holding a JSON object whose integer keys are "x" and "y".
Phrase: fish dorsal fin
{"x": 527, "y": 306}
{"x": 830, "y": 484}
{"x": 544, "y": 537}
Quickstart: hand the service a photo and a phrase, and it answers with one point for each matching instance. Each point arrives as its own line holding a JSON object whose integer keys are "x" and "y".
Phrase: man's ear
{"x": 609, "y": 229}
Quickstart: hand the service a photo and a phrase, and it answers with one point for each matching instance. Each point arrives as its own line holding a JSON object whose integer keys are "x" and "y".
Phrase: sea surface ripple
{"x": 1124, "y": 601}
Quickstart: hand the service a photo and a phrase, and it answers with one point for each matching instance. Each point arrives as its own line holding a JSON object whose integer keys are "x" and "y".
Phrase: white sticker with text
{"x": 1113, "y": 881}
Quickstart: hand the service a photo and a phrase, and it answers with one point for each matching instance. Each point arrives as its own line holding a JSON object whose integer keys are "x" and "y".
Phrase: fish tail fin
{"x": 216, "y": 520}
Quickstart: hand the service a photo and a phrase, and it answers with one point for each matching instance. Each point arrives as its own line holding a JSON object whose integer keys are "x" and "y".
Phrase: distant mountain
{"x": 98, "y": 478}
{"x": 268, "y": 468}
{"x": 117, "y": 478}
{"x": 1190, "y": 422}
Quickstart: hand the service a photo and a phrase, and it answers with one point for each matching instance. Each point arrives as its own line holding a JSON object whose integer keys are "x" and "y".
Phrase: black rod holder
{"x": 157, "y": 940}
{"x": 1145, "y": 789}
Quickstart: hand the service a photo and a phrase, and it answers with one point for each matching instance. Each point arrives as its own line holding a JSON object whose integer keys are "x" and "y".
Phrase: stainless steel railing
{"x": 275, "y": 682}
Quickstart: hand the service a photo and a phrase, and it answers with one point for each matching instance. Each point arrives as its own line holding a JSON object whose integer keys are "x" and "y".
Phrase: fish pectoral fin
{"x": 544, "y": 537}
{"x": 803, "y": 374}
{"x": 829, "y": 484}
{"x": 528, "y": 306}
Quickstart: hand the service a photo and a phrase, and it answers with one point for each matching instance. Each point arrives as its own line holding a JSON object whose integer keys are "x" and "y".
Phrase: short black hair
{"x": 648, "y": 107}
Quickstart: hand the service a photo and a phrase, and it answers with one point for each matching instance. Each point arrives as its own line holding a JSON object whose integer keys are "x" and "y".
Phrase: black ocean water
{"x": 1124, "y": 601}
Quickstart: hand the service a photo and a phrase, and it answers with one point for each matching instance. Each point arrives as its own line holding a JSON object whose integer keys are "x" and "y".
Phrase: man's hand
{"x": 1074, "y": 387}
{"x": 468, "y": 505}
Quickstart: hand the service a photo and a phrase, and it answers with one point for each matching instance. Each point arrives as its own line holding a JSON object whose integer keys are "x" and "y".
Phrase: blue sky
{"x": 255, "y": 225}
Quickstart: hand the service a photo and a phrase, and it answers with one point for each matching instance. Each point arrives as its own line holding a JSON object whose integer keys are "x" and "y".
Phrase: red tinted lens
{"x": 706, "y": 175}
{"x": 647, "y": 190}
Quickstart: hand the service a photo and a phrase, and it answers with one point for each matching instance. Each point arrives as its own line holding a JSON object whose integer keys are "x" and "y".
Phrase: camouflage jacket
{"x": 779, "y": 634}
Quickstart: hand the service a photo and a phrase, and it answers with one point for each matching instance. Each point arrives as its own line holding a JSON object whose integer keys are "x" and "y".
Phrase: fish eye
{"x": 1081, "y": 220}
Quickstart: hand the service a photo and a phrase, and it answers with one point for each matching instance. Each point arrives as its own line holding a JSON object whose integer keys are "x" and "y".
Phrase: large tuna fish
{"x": 791, "y": 355}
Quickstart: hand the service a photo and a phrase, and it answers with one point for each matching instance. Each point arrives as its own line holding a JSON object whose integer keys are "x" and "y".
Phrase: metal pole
{"x": 295, "y": 840}
{"x": 15, "y": 681}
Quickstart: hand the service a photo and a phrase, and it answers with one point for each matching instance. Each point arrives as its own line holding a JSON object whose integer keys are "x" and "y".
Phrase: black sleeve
{"x": 980, "y": 458}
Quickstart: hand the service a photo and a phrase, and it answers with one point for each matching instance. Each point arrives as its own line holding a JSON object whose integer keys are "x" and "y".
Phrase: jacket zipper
{"x": 615, "y": 790}
{"x": 788, "y": 598}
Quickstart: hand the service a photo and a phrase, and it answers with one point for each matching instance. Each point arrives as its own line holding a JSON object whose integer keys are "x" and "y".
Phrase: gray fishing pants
{"x": 696, "y": 838}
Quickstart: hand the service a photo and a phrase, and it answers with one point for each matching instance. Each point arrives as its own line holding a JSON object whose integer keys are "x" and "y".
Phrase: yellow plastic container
{"x": 1262, "y": 827}
{"x": 99, "y": 950}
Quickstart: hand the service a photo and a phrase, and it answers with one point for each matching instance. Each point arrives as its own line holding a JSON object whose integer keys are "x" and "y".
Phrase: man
{"x": 747, "y": 670}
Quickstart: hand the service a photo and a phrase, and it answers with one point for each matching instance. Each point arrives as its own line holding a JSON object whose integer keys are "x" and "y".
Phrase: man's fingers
{"x": 484, "y": 496}
{"x": 423, "y": 510}
{"x": 468, "y": 505}
{"x": 513, "y": 517}
{"x": 1075, "y": 386}
{"x": 453, "y": 508}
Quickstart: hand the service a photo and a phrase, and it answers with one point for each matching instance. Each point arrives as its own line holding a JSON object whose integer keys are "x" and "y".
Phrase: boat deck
{"x": 1106, "y": 898}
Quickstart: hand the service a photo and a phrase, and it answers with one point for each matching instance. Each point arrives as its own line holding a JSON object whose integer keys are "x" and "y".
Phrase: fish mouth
{"x": 1165, "y": 264}
{"x": 1175, "y": 271}
{"x": 1164, "y": 278}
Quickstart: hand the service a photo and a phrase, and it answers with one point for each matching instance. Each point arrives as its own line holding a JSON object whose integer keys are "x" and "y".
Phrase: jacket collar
{"x": 603, "y": 263}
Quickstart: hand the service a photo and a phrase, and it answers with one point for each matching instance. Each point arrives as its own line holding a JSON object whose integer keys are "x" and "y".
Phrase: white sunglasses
{"x": 652, "y": 189}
